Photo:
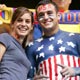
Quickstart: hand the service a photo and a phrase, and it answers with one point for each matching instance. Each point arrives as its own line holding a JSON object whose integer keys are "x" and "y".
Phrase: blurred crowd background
{"x": 75, "y": 5}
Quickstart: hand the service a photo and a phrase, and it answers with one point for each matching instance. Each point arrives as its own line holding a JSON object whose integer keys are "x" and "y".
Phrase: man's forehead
{"x": 44, "y": 7}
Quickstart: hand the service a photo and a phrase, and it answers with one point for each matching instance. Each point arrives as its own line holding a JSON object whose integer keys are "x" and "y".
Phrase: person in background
{"x": 4, "y": 27}
{"x": 14, "y": 65}
{"x": 63, "y": 5}
{"x": 57, "y": 52}
{"x": 2, "y": 5}
{"x": 64, "y": 8}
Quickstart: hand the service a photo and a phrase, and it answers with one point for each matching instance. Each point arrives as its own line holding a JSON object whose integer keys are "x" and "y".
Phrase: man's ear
{"x": 59, "y": 16}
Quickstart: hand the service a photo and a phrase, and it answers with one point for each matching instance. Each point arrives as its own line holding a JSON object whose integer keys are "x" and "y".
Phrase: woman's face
{"x": 23, "y": 25}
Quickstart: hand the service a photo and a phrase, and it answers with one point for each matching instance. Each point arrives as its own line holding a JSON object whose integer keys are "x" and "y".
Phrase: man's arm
{"x": 69, "y": 71}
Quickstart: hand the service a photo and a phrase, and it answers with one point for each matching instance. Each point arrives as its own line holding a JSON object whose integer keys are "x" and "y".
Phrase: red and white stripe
{"x": 53, "y": 71}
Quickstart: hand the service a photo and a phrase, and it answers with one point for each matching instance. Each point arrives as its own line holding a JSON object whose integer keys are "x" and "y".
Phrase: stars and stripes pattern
{"x": 61, "y": 48}
{"x": 49, "y": 66}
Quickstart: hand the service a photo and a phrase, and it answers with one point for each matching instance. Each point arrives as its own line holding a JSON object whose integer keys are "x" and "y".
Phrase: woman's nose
{"x": 61, "y": 0}
{"x": 23, "y": 23}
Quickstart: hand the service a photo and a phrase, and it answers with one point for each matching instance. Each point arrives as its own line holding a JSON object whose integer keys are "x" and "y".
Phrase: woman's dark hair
{"x": 16, "y": 15}
{"x": 43, "y": 2}
{"x": 19, "y": 12}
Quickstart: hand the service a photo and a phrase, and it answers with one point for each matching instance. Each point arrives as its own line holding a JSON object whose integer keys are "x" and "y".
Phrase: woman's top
{"x": 14, "y": 64}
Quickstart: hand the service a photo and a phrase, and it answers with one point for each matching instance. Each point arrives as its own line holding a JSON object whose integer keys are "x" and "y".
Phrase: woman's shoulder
{"x": 5, "y": 37}
{"x": 4, "y": 34}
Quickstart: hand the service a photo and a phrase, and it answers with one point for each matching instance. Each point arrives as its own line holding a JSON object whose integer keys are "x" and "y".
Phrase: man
{"x": 68, "y": 25}
{"x": 57, "y": 53}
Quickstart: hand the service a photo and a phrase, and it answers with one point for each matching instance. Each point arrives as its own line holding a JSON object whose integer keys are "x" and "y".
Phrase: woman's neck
{"x": 18, "y": 38}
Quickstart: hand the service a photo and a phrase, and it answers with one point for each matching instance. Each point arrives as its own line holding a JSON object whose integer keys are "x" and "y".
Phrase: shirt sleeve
{"x": 4, "y": 39}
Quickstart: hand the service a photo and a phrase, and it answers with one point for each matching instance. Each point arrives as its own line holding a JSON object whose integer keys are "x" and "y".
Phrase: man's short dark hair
{"x": 43, "y": 2}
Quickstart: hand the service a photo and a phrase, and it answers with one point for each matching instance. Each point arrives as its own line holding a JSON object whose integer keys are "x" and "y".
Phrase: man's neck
{"x": 51, "y": 32}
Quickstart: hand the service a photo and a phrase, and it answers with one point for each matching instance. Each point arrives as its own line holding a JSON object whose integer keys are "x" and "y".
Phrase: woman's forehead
{"x": 26, "y": 15}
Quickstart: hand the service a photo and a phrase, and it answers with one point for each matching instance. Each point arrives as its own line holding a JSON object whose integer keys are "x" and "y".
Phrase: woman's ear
{"x": 70, "y": 1}
{"x": 32, "y": 27}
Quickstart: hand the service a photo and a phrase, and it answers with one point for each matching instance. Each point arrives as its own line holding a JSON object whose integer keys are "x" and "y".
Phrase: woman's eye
{"x": 19, "y": 20}
{"x": 27, "y": 21}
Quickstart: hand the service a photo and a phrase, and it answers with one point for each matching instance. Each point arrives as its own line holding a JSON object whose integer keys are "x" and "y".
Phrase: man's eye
{"x": 40, "y": 15}
{"x": 49, "y": 13}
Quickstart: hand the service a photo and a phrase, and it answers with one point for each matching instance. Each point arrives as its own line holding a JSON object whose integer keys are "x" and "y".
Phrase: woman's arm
{"x": 2, "y": 50}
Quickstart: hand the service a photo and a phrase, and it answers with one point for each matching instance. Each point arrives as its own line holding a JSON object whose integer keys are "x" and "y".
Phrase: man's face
{"x": 47, "y": 16}
{"x": 62, "y": 4}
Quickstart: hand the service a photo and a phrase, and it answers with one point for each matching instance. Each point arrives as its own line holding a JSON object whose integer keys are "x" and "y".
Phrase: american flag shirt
{"x": 47, "y": 52}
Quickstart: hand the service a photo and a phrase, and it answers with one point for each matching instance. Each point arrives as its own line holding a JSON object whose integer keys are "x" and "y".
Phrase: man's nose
{"x": 46, "y": 16}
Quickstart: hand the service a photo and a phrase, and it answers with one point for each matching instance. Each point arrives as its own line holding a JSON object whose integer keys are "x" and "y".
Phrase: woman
{"x": 14, "y": 64}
